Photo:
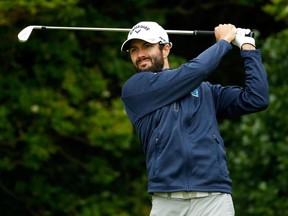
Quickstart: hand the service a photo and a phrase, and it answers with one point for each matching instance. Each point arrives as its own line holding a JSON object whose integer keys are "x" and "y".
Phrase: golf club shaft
{"x": 182, "y": 32}
{"x": 25, "y": 33}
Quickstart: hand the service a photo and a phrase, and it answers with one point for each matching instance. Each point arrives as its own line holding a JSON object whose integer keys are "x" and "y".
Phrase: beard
{"x": 157, "y": 63}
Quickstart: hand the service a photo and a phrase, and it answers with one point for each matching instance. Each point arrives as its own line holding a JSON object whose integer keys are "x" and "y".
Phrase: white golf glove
{"x": 241, "y": 38}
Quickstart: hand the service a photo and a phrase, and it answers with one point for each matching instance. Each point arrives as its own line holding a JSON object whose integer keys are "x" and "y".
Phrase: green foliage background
{"x": 66, "y": 145}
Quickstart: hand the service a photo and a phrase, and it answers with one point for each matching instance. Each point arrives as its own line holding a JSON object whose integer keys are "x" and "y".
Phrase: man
{"x": 175, "y": 111}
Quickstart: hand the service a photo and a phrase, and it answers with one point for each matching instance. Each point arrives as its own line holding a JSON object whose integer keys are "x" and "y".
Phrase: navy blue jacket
{"x": 175, "y": 113}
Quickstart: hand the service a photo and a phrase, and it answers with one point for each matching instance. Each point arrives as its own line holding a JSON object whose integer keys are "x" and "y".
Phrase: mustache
{"x": 141, "y": 59}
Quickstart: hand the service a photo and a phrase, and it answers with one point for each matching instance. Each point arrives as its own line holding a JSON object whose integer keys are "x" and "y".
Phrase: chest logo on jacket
{"x": 195, "y": 93}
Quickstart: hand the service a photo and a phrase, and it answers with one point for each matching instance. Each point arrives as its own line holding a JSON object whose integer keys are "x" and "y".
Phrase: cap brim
{"x": 125, "y": 45}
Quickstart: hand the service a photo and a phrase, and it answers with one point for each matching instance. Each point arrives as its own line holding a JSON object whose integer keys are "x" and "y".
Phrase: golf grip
{"x": 210, "y": 33}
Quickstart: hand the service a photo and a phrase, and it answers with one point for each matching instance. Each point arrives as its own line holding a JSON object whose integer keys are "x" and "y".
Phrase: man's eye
{"x": 132, "y": 50}
{"x": 148, "y": 45}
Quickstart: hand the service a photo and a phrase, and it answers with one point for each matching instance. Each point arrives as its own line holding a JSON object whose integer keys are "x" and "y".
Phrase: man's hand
{"x": 226, "y": 32}
{"x": 243, "y": 41}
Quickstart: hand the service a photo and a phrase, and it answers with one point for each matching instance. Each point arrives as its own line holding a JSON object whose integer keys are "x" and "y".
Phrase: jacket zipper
{"x": 176, "y": 106}
{"x": 215, "y": 138}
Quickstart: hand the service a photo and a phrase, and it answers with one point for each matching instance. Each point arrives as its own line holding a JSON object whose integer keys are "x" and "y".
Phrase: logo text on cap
{"x": 139, "y": 27}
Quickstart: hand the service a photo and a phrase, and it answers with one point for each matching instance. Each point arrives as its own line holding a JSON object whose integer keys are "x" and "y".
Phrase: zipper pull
{"x": 216, "y": 139}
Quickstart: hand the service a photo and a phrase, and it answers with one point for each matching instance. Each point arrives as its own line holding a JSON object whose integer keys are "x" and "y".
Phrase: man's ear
{"x": 166, "y": 50}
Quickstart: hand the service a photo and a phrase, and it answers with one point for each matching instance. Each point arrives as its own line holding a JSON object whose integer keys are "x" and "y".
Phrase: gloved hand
{"x": 241, "y": 38}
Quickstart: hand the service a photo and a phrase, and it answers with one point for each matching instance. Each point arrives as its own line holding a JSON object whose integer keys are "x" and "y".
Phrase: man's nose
{"x": 140, "y": 53}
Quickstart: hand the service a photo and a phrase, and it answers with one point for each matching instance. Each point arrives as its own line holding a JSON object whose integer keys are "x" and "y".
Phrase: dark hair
{"x": 161, "y": 45}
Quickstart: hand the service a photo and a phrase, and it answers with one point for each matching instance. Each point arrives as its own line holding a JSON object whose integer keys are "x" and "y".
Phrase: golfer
{"x": 175, "y": 112}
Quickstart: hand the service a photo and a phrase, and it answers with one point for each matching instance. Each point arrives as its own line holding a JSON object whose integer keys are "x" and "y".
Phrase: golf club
{"x": 24, "y": 35}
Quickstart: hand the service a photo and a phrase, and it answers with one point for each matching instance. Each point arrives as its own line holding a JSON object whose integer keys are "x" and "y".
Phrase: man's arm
{"x": 234, "y": 101}
{"x": 147, "y": 91}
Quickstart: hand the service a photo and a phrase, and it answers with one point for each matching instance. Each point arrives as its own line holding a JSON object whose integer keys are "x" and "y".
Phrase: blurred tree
{"x": 63, "y": 126}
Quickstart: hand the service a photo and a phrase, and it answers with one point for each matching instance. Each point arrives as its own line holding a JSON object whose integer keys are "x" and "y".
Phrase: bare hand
{"x": 225, "y": 31}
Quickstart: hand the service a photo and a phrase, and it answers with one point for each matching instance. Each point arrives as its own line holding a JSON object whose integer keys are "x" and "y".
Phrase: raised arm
{"x": 147, "y": 91}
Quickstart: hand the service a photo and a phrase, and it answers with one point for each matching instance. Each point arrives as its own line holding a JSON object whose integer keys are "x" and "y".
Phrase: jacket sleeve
{"x": 232, "y": 101}
{"x": 147, "y": 91}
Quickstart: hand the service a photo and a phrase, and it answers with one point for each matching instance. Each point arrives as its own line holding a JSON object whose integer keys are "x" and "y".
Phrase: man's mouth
{"x": 143, "y": 62}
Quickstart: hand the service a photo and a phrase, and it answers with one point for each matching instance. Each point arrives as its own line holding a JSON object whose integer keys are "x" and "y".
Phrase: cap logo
{"x": 163, "y": 40}
{"x": 138, "y": 28}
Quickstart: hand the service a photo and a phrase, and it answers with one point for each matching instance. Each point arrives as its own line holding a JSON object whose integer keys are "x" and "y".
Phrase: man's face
{"x": 146, "y": 56}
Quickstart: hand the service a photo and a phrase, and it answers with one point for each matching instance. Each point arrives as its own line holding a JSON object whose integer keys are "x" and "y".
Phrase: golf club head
{"x": 26, "y": 32}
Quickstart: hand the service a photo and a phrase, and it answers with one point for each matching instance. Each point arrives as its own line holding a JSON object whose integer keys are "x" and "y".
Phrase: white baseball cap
{"x": 151, "y": 32}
